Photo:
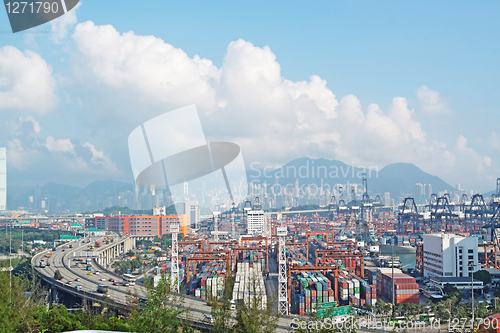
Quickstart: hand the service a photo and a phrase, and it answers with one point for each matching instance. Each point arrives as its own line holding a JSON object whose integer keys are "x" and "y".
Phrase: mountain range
{"x": 397, "y": 178}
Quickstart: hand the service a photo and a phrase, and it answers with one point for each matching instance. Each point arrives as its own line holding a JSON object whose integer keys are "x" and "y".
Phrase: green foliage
{"x": 452, "y": 292}
{"x": 222, "y": 312}
{"x": 160, "y": 315}
{"x": 252, "y": 318}
{"x": 121, "y": 267}
{"x": 382, "y": 307}
{"x": 127, "y": 211}
{"x": 483, "y": 275}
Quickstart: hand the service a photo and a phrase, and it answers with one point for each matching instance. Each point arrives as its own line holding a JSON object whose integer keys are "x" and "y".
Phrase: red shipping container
{"x": 406, "y": 286}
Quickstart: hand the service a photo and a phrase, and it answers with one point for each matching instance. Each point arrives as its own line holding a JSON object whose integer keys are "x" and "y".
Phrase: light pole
{"x": 471, "y": 264}
{"x": 392, "y": 233}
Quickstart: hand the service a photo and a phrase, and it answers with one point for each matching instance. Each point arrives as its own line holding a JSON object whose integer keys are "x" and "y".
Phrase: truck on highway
{"x": 89, "y": 268}
{"x": 70, "y": 246}
{"x": 58, "y": 275}
{"x": 102, "y": 289}
{"x": 91, "y": 248}
{"x": 97, "y": 244}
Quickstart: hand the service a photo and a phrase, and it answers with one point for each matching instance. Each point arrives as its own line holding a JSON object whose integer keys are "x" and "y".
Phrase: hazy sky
{"x": 368, "y": 82}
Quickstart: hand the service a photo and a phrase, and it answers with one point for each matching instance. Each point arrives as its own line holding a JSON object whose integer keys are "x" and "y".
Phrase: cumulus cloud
{"x": 61, "y": 26}
{"x": 60, "y": 145}
{"x": 248, "y": 101}
{"x": 147, "y": 65}
{"x": 26, "y": 82}
{"x": 38, "y": 157}
{"x": 99, "y": 157}
{"x": 431, "y": 101}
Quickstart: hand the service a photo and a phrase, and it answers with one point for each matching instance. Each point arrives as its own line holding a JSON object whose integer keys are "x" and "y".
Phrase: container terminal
{"x": 341, "y": 257}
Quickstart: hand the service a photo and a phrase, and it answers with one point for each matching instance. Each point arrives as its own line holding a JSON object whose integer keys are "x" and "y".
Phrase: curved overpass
{"x": 62, "y": 260}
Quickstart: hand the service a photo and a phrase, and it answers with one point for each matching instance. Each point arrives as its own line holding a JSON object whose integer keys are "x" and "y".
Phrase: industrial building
{"x": 192, "y": 210}
{"x": 141, "y": 225}
{"x": 255, "y": 222}
{"x": 449, "y": 255}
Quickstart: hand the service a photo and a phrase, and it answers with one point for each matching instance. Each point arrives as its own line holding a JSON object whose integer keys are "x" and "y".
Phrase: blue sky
{"x": 375, "y": 51}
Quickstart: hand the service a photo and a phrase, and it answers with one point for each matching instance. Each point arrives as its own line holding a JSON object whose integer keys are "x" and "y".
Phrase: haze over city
{"x": 367, "y": 84}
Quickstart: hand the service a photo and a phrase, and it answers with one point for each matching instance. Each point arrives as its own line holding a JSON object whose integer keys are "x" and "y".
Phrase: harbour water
{"x": 408, "y": 260}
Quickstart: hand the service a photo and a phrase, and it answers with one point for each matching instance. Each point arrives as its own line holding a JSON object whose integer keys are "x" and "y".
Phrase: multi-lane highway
{"x": 62, "y": 260}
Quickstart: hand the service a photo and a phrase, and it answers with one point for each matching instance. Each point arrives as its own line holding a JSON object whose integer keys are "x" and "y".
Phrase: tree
{"x": 382, "y": 307}
{"x": 486, "y": 289}
{"x": 482, "y": 275}
{"x": 221, "y": 310}
{"x": 163, "y": 310}
{"x": 253, "y": 316}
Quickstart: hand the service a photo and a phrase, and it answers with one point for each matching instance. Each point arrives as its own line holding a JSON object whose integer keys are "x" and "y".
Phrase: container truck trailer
{"x": 58, "y": 275}
{"x": 102, "y": 289}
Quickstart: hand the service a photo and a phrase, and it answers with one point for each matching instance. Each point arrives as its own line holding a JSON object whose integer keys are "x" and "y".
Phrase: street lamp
{"x": 392, "y": 233}
{"x": 471, "y": 272}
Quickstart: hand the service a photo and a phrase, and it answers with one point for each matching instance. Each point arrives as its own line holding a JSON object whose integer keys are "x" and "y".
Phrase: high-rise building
{"x": 3, "y": 179}
{"x": 255, "y": 222}
{"x": 159, "y": 210}
{"x": 192, "y": 210}
{"x": 448, "y": 255}
{"x": 387, "y": 199}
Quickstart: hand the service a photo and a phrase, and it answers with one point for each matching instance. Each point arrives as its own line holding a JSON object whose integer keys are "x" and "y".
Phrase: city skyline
{"x": 406, "y": 100}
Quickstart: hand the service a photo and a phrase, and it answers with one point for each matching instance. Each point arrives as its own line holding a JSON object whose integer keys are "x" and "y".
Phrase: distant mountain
{"x": 395, "y": 178}
{"x": 107, "y": 188}
{"x": 17, "y": 190}
{"x": 402, "y": 177}
{"x": 60, "y": 190}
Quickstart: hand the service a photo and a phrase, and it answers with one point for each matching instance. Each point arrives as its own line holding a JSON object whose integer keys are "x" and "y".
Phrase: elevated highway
{"x": 119, "y": 296}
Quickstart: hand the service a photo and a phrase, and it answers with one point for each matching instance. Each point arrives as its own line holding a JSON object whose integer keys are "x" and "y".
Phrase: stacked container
{"x": 249, "y": 284}
{"x": 405, "y": 287}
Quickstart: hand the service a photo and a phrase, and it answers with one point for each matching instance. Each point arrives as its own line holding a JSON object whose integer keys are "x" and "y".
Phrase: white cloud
{"x": 431, "y": 102}
{"x": 99, "y": 157}
{"x": 26, "y": 81}
{"x": 147, "y": 65}
{"x": 60, "y": 145}
{"x": 36, "y": 124}
{"x": 61, "y": 26}
{"x": 273, "y": 119}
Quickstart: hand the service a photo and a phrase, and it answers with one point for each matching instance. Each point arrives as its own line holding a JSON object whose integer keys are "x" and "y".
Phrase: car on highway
{"x": 116, "y": 284}
{"x": 78, "y": 287}
{"x": 77, "y": 279}
{"x": 90, "y": 273}
{"x": 97, "y": 272}
{"x": 111, "y": 280}
{"x": 68, "y": 283}
{"x": 125, "y": 284}
{"x": 102, "y": 279}
{"x": 208, "y": 320}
